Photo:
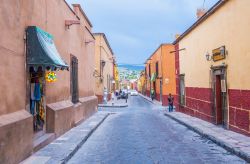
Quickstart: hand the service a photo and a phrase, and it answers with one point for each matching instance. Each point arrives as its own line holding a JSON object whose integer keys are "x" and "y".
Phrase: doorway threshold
{"x": 41, "y": 139}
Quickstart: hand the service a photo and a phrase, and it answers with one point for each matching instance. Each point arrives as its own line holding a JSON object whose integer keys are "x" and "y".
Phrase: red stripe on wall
{"x": 239, "y": 110}
{"x": 198, "y": 103}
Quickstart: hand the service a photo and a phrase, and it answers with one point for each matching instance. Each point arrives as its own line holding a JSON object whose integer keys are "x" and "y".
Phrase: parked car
{"x": 123, "y": 95}
{"x": 134, "y": 93}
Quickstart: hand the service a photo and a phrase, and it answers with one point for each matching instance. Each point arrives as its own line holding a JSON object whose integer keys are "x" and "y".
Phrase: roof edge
{"x": 71, "y": 9}
{"x": 83, "y": 13}
{"x": 163, "y": 44}
{"x": 106, "y": 40}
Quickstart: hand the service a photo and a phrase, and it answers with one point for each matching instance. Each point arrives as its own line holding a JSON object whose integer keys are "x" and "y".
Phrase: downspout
{"x": 161, "y": 80}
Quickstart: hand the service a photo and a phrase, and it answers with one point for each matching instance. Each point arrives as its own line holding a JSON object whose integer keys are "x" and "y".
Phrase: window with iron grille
{"x": 74, "y": 79}
{"x": 182, "y": 90}
{"x": 156, "y": 69}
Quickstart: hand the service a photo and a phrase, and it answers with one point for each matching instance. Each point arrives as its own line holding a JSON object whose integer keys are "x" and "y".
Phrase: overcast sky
{"x": 135, "y": 28}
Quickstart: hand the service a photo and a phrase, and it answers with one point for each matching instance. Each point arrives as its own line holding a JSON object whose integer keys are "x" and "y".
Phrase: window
{"x": 182, "y": 90}
{"x": 156, "y": 69}
{"x": 74, "y": 79}
{"x": 149, "y": 70}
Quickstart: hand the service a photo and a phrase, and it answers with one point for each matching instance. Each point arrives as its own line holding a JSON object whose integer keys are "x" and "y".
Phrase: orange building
{"x": 160, "y": 73}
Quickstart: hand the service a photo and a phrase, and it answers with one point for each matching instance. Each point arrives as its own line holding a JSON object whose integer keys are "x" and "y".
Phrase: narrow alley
{"x": 142, "y": 134}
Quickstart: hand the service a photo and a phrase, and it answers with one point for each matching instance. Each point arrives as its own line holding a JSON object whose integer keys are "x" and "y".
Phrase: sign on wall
{"x": 223, "y": 86}
{"x": 219, "y": 53}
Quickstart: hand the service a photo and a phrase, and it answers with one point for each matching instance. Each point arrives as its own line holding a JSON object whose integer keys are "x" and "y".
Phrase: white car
{"x": 133, "y": 93}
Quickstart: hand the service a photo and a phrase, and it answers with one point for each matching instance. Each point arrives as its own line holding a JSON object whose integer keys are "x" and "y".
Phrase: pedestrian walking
{"x": 170, "y": 102}
{"x": 152, "y": 94}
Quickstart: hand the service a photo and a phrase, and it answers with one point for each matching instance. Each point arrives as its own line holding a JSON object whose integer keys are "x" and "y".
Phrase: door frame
{"x": 221, "y": 71}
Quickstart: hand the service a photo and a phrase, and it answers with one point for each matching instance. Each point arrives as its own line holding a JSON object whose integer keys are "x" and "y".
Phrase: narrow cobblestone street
{"x": 142, "y": 134}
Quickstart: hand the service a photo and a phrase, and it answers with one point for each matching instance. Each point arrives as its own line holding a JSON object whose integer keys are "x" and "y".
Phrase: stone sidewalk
{"x": 235, "y": 143}
{"x": 155, "y": 102}
{"x": 64, "y": 147}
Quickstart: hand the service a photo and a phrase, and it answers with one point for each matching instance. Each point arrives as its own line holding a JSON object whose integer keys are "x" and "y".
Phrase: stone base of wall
{"x": 87, "y": 108}
{"x": 147, "y": 93}
{"x": 16, "y": 136}
{"x": 199, "y": 104}
{"x": 100, "y": 99}
{"x": 158, "y": 97}
{"x": 239, "y": 111}
{"x": 62, "y": 116}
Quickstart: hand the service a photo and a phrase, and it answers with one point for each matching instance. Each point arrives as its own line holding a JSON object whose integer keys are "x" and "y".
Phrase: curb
{"x": 217, "y": 141}
{"x": 146, "y": 98}
{"x": 113, "y": 106}
{"x": 45, "y": 156}
{"x": 67, "y": 158}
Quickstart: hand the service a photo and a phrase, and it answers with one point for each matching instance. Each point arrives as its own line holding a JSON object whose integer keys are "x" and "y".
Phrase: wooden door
{"x": 219, "y": 117}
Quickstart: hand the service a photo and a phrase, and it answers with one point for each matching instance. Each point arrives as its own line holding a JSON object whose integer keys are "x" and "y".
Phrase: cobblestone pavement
{"x": 138, "y": 134}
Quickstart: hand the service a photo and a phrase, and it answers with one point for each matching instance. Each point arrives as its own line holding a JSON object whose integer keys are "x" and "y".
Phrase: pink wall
{"x": 49, "y": 15}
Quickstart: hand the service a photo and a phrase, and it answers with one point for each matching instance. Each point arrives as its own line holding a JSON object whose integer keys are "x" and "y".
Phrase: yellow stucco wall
{"x": 228, "y": 26}
{"x": 102, "y": 52}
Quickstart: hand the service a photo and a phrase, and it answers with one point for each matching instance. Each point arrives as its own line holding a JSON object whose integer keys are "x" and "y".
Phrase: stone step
{"x": 41, "y": 141}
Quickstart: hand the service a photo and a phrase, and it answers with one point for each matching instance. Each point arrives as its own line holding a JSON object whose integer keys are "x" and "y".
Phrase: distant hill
{"x": 134, "y": 67}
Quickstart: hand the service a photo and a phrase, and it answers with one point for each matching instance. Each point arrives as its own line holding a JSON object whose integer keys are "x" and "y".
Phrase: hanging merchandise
{"x": 51, "y": 77}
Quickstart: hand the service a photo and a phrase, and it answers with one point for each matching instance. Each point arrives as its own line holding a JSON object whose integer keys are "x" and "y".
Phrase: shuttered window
{"x": 74, "y": 79}
{"x": 157, "y": 69}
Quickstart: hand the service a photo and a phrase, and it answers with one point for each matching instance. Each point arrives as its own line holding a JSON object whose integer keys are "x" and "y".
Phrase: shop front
{"x": 43, "y": 61}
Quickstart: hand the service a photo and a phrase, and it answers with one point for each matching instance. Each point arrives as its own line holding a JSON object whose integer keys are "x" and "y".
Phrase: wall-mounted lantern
{"x": 103, "y": 63}
{"x": 208, "y": 57}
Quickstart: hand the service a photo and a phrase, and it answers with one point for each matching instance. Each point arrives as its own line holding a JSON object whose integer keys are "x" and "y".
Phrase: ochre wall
{"x": 166, "y": 71}
{"x": 228, "y": 26}
{"x": 168, "y": 68}
{"x": 102, "y": 52}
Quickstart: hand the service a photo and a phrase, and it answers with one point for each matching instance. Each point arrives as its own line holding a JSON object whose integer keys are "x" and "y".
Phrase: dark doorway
{"x": 37, "y": 98}
{"x": 74, "y": 79}
{"x": 218, "y": 97}
{"x": 220, "y": 109}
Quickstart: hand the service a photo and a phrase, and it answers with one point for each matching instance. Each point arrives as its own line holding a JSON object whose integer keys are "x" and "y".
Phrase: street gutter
{"x": 219, "y": 142}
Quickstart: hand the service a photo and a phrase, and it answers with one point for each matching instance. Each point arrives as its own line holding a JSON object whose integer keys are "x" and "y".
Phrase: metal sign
{"x": 219, "y": 53}
{"x": 223, "y": 86}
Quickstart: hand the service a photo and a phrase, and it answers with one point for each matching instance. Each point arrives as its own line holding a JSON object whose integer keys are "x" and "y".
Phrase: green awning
{"x": 153, "y": 77}
{"x": 41, "y": 50}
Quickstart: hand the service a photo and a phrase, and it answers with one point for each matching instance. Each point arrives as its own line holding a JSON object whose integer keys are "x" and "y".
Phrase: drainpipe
{"x": 161, "y": 83}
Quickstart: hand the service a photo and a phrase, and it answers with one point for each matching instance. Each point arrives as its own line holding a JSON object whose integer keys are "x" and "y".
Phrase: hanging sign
{"x": 219, "y": 53}
{"x": 51, "y": 77}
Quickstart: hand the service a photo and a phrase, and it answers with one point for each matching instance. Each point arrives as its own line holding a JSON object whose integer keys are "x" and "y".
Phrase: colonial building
{"x": 212, "y": 66}
{"x": 46, "y": 79}
{"x": 142, "y": 83}
{"x": 104, "y": 66}
{"x": 160, "y": 73}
